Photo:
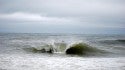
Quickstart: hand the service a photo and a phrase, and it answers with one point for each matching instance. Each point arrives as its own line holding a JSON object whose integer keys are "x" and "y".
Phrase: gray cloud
{"x": 71, "y": 14}
{"x": 66, "y": 7}
{"x": 21, "y": 16}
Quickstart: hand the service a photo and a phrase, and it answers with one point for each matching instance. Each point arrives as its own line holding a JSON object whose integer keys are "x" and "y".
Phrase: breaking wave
{"x": 72, "y": 49}
{"x": 48, "y": 48}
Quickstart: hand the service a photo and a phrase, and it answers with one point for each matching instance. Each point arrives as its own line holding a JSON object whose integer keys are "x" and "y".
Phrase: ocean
{"x": 24, "y": 51}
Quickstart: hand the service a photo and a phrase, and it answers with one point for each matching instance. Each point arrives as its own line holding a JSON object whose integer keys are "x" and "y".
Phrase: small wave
{"x": 42, "y": 49}
{"x": 35, "y": 50}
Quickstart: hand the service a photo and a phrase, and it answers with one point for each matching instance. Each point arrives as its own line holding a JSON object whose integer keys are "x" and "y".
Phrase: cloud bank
{"x": 22, "y": 16}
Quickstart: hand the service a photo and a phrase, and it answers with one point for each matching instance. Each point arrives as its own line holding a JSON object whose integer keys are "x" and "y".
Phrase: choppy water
{"x": 15, "y": 52}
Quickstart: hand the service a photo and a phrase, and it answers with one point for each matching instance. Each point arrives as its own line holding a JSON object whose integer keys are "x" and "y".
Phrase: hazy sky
{"x": 63, "y": 16}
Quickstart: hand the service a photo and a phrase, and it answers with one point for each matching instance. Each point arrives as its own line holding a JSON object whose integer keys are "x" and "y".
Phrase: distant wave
{"x": 118, "y": 41}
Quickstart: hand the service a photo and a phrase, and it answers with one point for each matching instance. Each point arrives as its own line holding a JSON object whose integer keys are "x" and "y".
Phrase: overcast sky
{"x": 63, "y": 16}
